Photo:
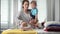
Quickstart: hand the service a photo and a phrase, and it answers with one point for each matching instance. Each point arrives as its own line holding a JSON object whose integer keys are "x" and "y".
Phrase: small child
{"x": 34, "y": 10}
{"x": 34, "y": 13}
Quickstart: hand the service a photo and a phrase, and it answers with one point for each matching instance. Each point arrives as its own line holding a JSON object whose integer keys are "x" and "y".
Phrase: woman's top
{"x": 25, "y": 17}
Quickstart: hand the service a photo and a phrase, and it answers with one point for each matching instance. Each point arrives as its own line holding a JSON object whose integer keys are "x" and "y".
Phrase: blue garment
{"x": 34, "y": 12}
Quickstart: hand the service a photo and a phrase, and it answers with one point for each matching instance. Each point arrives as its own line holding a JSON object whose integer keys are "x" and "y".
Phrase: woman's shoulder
{"x": 29, "y": 10}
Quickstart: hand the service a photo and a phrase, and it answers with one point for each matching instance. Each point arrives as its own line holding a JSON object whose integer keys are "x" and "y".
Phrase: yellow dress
{"x": 19, "y": 31}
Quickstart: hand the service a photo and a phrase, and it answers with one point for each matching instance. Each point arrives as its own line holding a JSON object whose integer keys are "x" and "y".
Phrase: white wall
{"x": 42, "y": 10}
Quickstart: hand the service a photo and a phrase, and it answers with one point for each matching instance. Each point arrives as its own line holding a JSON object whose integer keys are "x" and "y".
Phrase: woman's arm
{"x": 20, "y": 19}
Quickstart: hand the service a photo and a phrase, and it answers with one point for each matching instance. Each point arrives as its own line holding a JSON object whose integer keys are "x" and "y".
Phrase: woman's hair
{"x": 34, "y": 2}
{"x": 24, "y": 2}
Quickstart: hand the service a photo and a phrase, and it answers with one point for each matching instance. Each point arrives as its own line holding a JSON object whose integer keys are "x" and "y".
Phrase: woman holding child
{"x": 28, "y": 20}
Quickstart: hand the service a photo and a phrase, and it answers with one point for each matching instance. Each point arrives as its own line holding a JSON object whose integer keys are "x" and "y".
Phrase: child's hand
{"x": 36, "y": 25}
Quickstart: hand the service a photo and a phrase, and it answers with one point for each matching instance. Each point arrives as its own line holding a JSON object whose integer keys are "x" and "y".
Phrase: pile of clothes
{"x": 52, "y": 26}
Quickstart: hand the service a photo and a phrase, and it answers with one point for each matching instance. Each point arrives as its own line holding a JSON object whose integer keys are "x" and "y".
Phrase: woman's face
{"x": 25, "y": 5}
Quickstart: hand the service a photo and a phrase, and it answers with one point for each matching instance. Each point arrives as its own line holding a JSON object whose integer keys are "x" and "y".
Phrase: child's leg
{"x": 33, "y": 22}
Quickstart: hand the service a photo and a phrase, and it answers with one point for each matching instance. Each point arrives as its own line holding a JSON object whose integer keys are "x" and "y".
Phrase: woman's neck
{"x": 25, "y": 11}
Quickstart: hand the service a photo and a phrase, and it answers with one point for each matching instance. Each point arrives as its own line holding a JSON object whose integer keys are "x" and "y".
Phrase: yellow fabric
{"x": 19, "y": 31}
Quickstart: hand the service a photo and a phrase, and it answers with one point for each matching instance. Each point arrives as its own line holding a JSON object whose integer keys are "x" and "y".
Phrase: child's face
{"x": 33, "y": 5}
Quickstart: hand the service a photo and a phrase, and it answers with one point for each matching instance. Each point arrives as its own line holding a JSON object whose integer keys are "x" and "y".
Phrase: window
{"x": 6, "y": 14}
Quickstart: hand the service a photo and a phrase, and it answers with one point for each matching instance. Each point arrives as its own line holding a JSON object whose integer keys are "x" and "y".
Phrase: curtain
{"x": 6, "y": 14}
{"x": 53, "y": 12}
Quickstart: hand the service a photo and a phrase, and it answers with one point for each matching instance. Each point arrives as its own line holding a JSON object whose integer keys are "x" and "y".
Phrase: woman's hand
{"x": 24, "y": 24}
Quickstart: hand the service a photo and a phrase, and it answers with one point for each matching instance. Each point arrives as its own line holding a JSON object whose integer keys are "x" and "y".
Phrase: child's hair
{"x": 34, "y": 2}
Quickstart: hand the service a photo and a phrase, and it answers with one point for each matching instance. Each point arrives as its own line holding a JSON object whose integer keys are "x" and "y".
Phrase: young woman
{"x": 24, "y": 16}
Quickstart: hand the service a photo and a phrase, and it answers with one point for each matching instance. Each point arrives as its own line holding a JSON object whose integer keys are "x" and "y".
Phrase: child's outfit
{"x": 34, "y": 12}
